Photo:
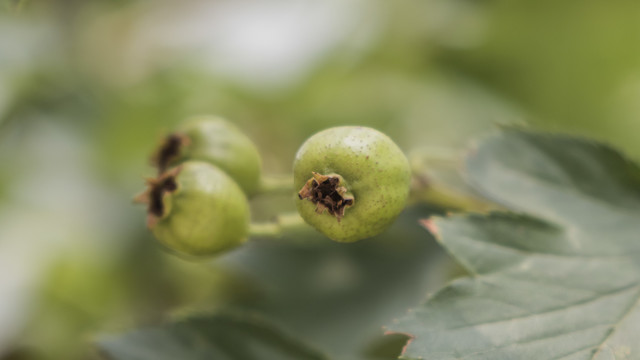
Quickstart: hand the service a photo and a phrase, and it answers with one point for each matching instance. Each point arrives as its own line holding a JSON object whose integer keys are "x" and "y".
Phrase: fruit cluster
{"x": 350, "y": 183}
{"x": 197, "y": 205}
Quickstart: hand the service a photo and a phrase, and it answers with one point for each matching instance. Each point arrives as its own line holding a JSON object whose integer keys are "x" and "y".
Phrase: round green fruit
{"x": 353, "y": 182}
{"x": 214, "y": 140}
{"x": 196, "y": 209}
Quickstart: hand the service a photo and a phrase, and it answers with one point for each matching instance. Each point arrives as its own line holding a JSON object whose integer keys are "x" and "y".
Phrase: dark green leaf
{"x": 220, "y": 337}
{"x": 559, "y": 280}
{"x": 337, "y": 295}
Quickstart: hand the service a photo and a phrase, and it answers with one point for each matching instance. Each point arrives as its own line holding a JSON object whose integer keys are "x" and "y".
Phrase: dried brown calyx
{"x": 154, "y": 195}
{"x": 169, "y": 150}
{"x": 326, "y": 192}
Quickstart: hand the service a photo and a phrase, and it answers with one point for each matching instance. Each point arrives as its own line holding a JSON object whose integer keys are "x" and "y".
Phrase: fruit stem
{"x": 437, "y": 180}
{"x": 284, "y": 224}
{"x": 265, "y": 229}
{"x": 449, "y": 198}
{"x": 275, "y": 184}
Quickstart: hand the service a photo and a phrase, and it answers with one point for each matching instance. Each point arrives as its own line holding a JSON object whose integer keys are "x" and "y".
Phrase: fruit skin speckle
{"x": 373, "y": 170}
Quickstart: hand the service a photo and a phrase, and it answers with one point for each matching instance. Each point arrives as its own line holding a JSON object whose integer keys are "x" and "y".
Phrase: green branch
{"x": 288, "y": 224}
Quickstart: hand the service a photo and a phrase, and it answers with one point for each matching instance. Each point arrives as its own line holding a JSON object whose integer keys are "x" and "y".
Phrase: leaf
{"x": 338, "y": 295}
{"x": 560, "y": 279}
{"x": 219, "y": 336}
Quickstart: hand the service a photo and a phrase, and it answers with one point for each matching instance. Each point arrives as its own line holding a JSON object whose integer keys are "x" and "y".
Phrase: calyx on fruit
{"x": 154, "y": 196}
{"x": 169, "y": 151}
{"x": 327, "y": 193}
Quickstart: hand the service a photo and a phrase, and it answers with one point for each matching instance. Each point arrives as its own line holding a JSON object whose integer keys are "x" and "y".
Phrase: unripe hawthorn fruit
{"x": 353, "y": 182}
{"x": 196, "y": 209}
{"x": 215, "y": 140}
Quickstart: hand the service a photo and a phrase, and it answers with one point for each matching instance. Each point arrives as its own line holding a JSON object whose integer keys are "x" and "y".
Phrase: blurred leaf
{"x": 386, "y": 347}
{"x": 564, "y": 287}
{"x": 19, "y": 354}
{"x": 12, "y": 5}
{"x": 528, "y": 51}
{"x": 52, "y": 92}
{"x": 220, "y": 336}
{"x": 338, "y": 295}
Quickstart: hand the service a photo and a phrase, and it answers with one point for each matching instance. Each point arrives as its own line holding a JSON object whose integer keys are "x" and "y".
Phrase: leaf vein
{"x": 542, "y": 338}
{"x": 615, "y": 325}
{"x": 552, "y": 310}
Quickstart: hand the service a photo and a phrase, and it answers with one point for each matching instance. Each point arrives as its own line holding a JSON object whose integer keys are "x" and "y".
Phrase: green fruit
{"x": 217, "y": 141}
{"x": 353, "y": 181}
{"x": 196, "y": 209}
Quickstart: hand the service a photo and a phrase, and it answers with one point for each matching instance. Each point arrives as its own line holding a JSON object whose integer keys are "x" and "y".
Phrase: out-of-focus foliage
{"x": 207, "y": 336}
{"x": 88, "y": 88}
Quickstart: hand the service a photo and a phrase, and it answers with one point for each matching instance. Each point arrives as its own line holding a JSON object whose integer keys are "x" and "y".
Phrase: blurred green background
{"x": 87, "y": 88}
